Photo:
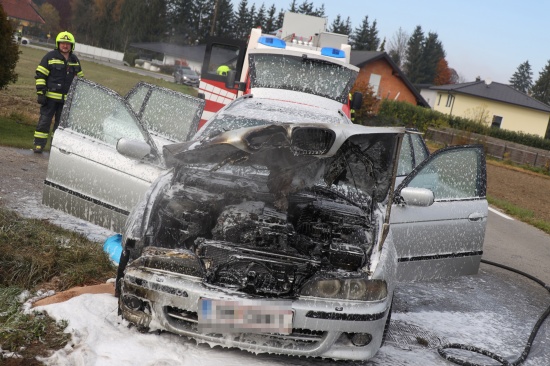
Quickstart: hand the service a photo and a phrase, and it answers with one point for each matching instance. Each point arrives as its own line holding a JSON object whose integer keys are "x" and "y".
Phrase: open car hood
{"x": 299, "y": 155}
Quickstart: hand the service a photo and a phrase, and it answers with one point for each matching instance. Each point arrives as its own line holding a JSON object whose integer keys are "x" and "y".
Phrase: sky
{"x": 486, "y": 38}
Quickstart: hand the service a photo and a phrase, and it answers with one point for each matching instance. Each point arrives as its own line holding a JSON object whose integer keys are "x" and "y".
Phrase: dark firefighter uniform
{"x": 54, "y": 76}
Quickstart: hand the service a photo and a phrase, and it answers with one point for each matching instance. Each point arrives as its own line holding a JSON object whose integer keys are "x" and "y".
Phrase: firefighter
{"x": 223, "y": 70}
{"x": 351, "y": 111}
{"x": 54, "y": 76}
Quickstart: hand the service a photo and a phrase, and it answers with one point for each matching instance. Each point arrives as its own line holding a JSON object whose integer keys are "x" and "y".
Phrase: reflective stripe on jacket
{"x": 54, "y": 74}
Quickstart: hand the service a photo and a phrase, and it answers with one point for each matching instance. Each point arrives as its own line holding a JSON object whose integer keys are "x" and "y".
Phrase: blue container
{"x": 113, "y": 247}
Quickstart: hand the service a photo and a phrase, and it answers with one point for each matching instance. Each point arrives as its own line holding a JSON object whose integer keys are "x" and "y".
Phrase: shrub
{"x": 9, "y": 54}
{"x": 395, "y": 113}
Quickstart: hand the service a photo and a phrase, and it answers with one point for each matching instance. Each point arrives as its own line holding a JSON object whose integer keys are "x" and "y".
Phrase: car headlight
{"x": 185, "y": 78}
{"x": 346, "y": 289}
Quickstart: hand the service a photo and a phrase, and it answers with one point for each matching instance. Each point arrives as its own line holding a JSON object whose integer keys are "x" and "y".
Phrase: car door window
{"x": 136, "y": 98}
{"x": 102, "y": 115}
{"x": 167, "y": 114}
{"x": 405, "y": 165}
{"x": 420, "y": 150}
{"x": 451, "y": 175}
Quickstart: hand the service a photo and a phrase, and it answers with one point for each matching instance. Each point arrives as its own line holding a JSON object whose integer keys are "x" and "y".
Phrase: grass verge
{"x": 521, "y": 214}
{"x": 35, "y": 254}
{"x": 27, "y": 335}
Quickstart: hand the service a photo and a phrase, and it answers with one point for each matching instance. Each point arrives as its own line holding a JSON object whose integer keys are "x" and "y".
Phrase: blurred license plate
{"x": 250, "y": 316}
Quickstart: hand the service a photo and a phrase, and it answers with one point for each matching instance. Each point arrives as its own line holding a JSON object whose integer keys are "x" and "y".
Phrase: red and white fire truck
{"x": 302, "y": 63}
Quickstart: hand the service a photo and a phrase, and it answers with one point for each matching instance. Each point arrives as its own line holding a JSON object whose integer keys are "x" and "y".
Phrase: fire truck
{"x": 301, "y": 63}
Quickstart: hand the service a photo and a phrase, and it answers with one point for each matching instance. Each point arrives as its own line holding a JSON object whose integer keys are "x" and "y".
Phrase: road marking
{"x": 500, "y": 213}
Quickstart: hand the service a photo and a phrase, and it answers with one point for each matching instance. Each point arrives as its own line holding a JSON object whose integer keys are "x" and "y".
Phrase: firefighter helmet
{"x": 64, "y": 37}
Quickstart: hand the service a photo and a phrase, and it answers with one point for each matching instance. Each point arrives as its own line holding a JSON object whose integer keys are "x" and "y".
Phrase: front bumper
{"x": 321, "y": 328}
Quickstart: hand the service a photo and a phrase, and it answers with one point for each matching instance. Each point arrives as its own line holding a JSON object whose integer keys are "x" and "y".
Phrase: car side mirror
{"x": 413, "y": 196}
{"x": 133, "y": 148}
{"x": 356, "y": 100}
{"x": 230, "y": 79}
{"x": 230, "y": 82}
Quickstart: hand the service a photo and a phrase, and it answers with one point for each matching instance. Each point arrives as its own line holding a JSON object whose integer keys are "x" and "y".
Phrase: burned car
{"x": 277, "y": 227}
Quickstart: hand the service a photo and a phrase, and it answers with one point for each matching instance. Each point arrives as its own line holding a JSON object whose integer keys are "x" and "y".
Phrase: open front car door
{"x": 439, "y": 215}
{"x": 104, "y": 156}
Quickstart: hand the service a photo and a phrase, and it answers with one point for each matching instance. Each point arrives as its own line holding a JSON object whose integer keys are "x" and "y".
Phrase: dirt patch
{"x": 10, "y": 104}
{"x": 525, "y": 189}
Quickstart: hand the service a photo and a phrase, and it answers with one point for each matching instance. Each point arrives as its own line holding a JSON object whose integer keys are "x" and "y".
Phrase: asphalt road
{"x": 518, "y": 245}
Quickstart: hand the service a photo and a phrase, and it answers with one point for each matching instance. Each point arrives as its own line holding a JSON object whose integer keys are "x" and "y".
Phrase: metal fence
{"x": 496, "y": 148}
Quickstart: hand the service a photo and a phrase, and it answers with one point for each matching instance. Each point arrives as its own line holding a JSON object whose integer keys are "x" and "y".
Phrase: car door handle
{"x": 64, "y": 152}
{"x": 476, "y": 216}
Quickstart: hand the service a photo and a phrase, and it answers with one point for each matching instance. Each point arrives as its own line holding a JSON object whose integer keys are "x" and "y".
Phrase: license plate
{"x": 244, "y": 316}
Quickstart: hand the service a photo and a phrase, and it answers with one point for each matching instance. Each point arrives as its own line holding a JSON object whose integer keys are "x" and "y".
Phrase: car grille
{"x": 187, "y": 321}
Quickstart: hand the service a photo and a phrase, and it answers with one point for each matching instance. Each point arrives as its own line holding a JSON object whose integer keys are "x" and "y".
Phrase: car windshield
{"x": 308, "y": 75}
{"x": 256, "y": 112}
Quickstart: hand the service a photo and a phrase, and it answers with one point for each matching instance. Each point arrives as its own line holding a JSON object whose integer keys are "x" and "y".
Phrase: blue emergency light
{"x": 272, "y": 42}
{"x": 333, "y": 52}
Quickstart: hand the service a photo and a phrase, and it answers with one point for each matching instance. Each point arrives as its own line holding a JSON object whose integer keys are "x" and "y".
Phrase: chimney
{"x": 478, "y": 78}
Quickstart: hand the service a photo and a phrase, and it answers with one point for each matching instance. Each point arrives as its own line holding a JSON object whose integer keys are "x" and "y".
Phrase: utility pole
{"x": 213, "y": 27}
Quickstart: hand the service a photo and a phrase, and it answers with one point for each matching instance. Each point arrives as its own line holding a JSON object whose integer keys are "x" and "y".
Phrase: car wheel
{"x": 387, "y": 325}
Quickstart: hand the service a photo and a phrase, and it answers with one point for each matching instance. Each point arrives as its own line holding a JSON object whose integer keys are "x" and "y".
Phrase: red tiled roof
{"x": 21, "y": 9}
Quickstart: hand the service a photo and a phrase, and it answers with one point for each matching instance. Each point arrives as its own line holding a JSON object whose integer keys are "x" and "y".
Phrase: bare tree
{"x": 397, "y": 47}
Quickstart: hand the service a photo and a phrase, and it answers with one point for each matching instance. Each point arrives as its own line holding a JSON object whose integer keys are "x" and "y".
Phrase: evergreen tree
{"x": 83, "y": 25}
{"x": 305, "y": 8}
{"x": 320, "y": 11}
{"x": 413, "y": 65}
{"x": 280, "y": 18}
{"x": 541, "y": 88}
{"x": 337, "y": 25}
{"x": 242, "y": 23}
{"x": 260, "y": 19}
{"x": 374, "y": 40}
{"x": 180, "y": 22}
{"x": 522, "y": 80}
{"x": 341, "y": 27}
{"x": 360, "y": 36}
{"x": 365, "y": 37}
{"x": 224, "y": 19}
{"x": 383, "y": 45}
{"x": 10, "y": 52}
{"x": 292, "y": 7}
{"x": 347, "y": 27}
{"x": 432, "y": 53}
{"x": 271, "y": 20}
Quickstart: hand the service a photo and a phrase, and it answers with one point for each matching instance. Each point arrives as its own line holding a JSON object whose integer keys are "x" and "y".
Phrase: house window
{"x": 374, "y": 82}
{"x": 450, "y": 99}
{"x": 497, "y": 120}
{"x": 439, "y": 99}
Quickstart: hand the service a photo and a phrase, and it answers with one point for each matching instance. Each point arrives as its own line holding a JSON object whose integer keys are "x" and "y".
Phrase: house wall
{"x": 430, "y": 96}
{"x": 391, "y": 86}
{"x": 514, "y": 118}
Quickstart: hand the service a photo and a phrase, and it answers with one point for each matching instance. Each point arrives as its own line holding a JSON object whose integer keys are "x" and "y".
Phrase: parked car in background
{"x": 186, "y": 76}
{"x": 19, "y": 39}
{"x": 275, "y": 228}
